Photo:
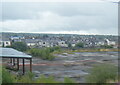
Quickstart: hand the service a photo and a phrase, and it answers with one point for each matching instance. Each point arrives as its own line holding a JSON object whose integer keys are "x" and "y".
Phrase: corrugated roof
{"x": 10, "y": 52}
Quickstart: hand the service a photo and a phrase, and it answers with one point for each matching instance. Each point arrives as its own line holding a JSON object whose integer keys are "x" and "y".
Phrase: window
{"x": 6, "y": 42}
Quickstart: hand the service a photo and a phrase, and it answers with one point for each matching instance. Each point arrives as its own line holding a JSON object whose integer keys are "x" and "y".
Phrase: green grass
{"x": 43, "y": 79}
{"x": 7, "y": 77}
{"x": 90, "y": 50}
{"x": 102, "y": 73}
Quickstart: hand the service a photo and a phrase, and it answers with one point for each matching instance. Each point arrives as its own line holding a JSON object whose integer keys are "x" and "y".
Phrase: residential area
{"x": 64, "y": 41}
{"x": 63, "y": 55}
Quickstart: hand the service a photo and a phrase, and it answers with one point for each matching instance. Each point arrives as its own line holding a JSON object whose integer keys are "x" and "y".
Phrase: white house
{"x": 62, "y": 44}
{"x": 73, "y": 44}
{"x": 44, "y": 44}
{"x": 30, "y": 42}
{"x": 108, "y": 42}
{"x": 100, "y": 43}
{"x": 5, "y": 42}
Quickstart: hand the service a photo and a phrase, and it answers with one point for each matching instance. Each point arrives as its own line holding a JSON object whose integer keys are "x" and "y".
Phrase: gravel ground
{"x": 75, "y": 65}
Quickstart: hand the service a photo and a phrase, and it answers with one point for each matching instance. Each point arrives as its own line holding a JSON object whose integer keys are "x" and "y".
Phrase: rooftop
{"x": 12, "y": 53}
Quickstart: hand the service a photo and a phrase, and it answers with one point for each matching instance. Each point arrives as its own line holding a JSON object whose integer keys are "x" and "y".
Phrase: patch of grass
{"x": 95, "y": 50}
{"x": 7, "y": 77}
{"x": 27, "y": 78}
{"x": 43, "y": 79}
{"x": 102, "y": 73}
{"x": 68, "y": 80}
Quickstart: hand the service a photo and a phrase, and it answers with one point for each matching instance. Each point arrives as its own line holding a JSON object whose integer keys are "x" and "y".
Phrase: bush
{"x": 52, "y": 49}
{"x": 102, "y": 73}
{"x": 79, "y": 45}
{"x": 45, "y": 53}
{"x": 7, "y": 77}
{"x": 27, "y": 78}
{"x": 19, "y": 46}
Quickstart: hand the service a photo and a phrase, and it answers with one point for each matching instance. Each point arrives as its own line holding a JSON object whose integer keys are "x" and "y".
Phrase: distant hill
{"x": 8, "y": 34}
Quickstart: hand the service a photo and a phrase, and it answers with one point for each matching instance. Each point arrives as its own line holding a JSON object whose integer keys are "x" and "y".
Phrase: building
{"x": 62, "y": 44}
{"x": 108, "y": 42}
{"x": 17, "y": 38}
{"x": 31, "y": 42}
{"x": 44, "y": 44}
{"x": 5, "y": 42}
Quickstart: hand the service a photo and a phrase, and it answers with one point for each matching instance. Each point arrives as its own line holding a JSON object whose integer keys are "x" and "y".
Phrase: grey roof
{"x": 32, "y": 40}
{"x": 4, "y": 39}
{"x": 12, "y": 53}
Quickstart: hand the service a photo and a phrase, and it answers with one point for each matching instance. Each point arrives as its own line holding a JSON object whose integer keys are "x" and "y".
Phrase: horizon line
{"x": 58, "y": 33}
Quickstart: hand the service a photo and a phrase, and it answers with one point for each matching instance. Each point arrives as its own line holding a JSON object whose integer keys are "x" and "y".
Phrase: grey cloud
{"x": 82, "y": 16}
{"x": 25, "y": 10}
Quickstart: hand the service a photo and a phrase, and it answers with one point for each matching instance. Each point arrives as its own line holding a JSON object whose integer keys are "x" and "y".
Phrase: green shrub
{"x": 19, "y": 46}
{"x": 7, "y": 77}
{"x": 79, "y": 45}
{"x": 27, "y": 78}
{"x": 50, "y": 79}
{"x": 44, "y": 53}
{"x": 102, "y": 73}
{"x": 56, "y": 48}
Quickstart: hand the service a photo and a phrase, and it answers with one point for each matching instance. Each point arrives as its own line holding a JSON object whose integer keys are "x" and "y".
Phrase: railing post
{"x": 23, "y": 66}
{"x": 17, "y": 63}
{"x": 10, "y": 60}
{"x": 13, "y": 61}
{"x": 30, "y": 64}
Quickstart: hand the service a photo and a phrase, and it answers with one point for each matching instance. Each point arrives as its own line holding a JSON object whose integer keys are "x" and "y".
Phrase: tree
{"x": 79, "y": 45}
{"x": 69, "y": 45}
{"x": 21, "y": 46}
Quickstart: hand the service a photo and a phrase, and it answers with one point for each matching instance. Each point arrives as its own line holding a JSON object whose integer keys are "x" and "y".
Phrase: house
{"x": 37, "y": 43}
{"x": 31, "y": 42}
{"x": 62, "y": 44}
{"x": 17, "y": 38}
{"x": 73, "y": 43}
{"x": 5, "y": 42}
{"x": 44, "y": 43}
{"x": 108, "y": 42}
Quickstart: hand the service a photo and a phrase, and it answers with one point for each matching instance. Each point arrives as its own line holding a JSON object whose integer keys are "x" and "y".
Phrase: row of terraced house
{"x": 51, "y": 42}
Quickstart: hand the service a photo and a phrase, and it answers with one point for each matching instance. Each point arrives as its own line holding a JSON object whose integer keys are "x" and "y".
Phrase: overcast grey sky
{"x": 60, "y": 17}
